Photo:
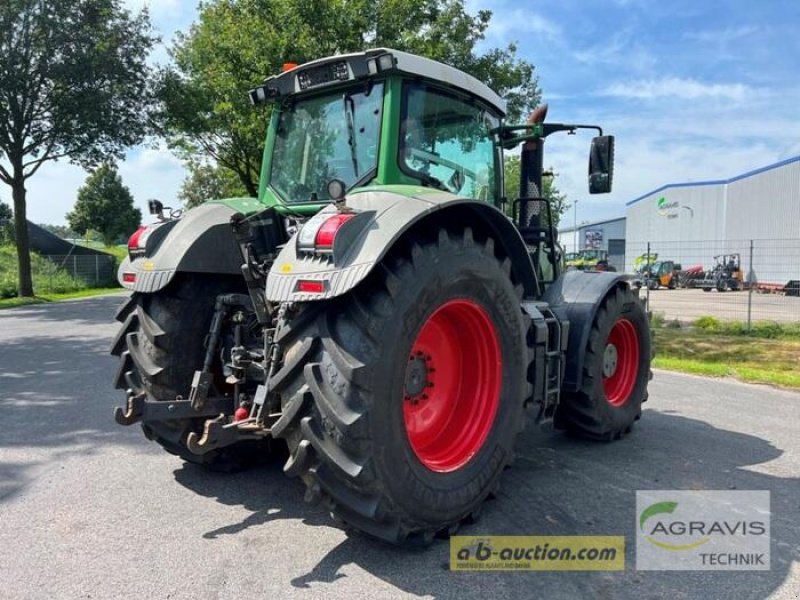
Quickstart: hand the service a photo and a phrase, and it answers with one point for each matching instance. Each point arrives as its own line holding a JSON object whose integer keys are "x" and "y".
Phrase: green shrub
{"x": 708, "y": 323}
{"x": 767, "y": 329}
{"x": 47, "y": 276}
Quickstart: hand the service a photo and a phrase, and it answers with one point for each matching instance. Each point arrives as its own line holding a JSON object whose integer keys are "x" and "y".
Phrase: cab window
{"x": 446, "y": 144}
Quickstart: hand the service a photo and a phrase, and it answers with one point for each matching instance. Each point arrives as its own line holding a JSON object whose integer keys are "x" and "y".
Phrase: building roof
{"x": 776, "y": 165}
{"x": 593, "y": 224}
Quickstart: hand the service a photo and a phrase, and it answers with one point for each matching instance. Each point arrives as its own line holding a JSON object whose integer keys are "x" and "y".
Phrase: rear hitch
{"x": 225, "y": 431}
{"x": 139, "y": 408}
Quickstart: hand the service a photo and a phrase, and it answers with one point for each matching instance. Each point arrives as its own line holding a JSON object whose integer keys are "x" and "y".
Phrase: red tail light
{"x": 128, "y": 277}
{"x": 327, "y": 231}
{"x": 135, "y": 241}
{"x": 311, "y": 286}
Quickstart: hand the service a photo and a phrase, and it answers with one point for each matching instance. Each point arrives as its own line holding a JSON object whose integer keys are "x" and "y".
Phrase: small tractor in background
{"x": 587, "y": 259}
{"x": 662, "y": 273}
{"x": 726, "y": 274}
{"x": 374, "y": 310}
{"x": 654, "y": 274}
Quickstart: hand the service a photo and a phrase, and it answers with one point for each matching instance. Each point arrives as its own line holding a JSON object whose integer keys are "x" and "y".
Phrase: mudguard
{"x": 576, "y": 296}
{"x": 200, "y": 242}
{"x": 384, "y": 215}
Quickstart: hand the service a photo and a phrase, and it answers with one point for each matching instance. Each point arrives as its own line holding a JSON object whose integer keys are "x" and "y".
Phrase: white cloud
{"x": 506, "y": 23}
{"x": 681, "y": 88}
{"x": 618, "y": 51}
{"x": 147, "y": 172}
{"x": 722, "y": 36}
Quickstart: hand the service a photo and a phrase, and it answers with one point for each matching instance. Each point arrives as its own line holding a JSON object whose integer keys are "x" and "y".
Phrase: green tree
{"x": 105, "y": 205}
{"x": 6, "y": 214}
{"x": 62, "y": 231}
{"x": 236, "y": 43}
{"x": 558, "y": 200}
{"x": 74, "y": 85}
{"x": 6, "y": 224}
{"x": 209, "y": 182}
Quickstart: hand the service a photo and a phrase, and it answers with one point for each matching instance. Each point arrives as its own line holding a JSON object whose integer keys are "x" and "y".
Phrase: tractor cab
{"x": 385, "y": 120}
{"x": 379, "y": 118}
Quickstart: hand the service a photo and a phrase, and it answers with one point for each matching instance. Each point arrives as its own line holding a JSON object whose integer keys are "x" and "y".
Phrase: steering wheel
{"x": 459, "y": 170}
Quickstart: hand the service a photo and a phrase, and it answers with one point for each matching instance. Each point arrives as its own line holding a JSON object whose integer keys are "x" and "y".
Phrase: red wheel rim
{"x": 452, "y": 385}
{"x": 620, "y": 362}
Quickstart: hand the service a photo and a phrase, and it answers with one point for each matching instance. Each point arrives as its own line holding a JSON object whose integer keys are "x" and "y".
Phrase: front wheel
{"x": 404, "y": 414}
{"x": 616, "y": 371}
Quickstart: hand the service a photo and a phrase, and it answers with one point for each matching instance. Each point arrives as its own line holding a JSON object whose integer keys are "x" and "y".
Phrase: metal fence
{"x": 744, "y": 280}
{"x": 93, "y": 270}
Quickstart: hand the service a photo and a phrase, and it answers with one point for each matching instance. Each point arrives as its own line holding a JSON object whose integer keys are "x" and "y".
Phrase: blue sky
{"x": 692, "y": 90}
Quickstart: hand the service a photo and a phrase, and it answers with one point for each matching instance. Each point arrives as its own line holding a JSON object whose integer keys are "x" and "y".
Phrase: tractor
{"x": 586, "y": 259}
{"x": 726, "y": 274}
{"x": 374, "y": 311}
{"x": 662, "y": 273}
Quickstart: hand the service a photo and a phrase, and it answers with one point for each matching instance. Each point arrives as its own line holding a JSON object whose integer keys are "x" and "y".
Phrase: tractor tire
{"x": 616, "y": 371}
{"x": 401, "y": 400}
{"x": 160, "y": 345}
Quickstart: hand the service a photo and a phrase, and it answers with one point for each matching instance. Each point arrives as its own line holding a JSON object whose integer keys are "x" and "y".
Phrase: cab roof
{"x": 340, "y": 68}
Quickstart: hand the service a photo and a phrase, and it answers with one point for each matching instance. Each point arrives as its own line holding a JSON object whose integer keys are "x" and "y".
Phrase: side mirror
{"x": 601, "y": 164}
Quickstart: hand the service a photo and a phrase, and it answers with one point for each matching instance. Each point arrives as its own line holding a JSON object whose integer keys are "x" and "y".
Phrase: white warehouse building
{"x": 691, "y": 223}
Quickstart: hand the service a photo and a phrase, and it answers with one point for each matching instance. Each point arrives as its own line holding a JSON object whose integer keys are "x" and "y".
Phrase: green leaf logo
{"x": 665, "y": 508}
{"x": 656, "y": 509}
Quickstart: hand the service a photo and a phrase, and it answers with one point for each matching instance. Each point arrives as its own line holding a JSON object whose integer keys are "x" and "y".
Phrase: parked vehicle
{"x": 726, "y": 274}
{"x": 374, "y": 309}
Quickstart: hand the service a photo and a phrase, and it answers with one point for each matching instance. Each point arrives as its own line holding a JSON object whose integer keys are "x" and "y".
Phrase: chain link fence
{"x": 744, "y": 280}
{"x": 95, "y": 270}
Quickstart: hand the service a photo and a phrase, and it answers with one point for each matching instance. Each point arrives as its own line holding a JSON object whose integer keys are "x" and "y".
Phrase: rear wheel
{"x": 161, "y": 345}
{"x": 615, "y": 372}
{"x": 401, "y": 400}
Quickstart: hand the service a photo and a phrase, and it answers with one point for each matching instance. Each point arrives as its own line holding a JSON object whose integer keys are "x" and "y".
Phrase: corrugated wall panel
{"x": 766, "y": 205}
{"x": 693, "y": 223}
{"x": 682, "y": 223}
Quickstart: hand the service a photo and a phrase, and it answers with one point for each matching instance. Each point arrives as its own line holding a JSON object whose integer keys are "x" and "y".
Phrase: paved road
{"x": 92, "y": 510}
{"x": 689, "y": 304}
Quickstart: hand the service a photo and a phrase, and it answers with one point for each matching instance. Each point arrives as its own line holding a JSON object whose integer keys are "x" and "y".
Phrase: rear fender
{"x": 200, "y": 242}
{"x": 384, "y": 217}
{"x": 576, "y": 296}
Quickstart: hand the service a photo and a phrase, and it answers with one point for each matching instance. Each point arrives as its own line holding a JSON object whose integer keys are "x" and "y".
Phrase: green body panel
{"x": 245, "y": 206}
{"x": 388, "y": 170}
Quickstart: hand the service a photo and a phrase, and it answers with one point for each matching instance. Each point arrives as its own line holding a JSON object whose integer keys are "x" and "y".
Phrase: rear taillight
{"x": 319, "y": 232}
{"x": 327, "y": 232}
{"x": 128, "y": 277}
{"x": 312, "y": 286}
{"x": 136, "y": 239}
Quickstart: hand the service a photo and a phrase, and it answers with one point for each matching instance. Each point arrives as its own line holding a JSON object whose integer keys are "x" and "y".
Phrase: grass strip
{"x": 44, "y": 298}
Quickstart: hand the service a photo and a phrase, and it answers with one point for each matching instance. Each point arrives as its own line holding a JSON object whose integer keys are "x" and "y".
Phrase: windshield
{"x": 326, "y": 137}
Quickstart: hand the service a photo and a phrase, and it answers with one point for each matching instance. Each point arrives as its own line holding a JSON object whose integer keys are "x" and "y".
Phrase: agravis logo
{"x": 702, "y": 529}
{"x": 666, "y": 208}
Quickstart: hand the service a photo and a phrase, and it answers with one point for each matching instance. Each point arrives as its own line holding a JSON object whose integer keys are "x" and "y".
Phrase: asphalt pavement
{"x": 89, "y": 509}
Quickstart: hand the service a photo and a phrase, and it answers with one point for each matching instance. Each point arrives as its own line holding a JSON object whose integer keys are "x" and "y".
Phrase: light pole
{"x": 575, "y": 228}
